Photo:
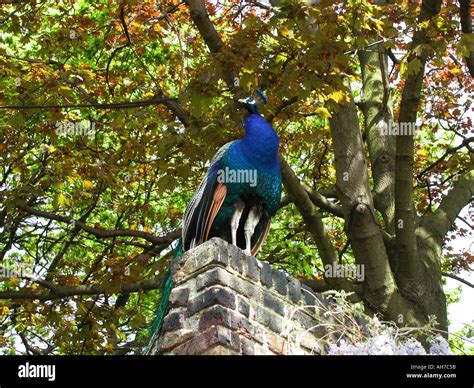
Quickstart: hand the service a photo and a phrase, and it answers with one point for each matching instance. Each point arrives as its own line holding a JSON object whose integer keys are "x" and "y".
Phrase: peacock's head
{"x": 251, "y": 104}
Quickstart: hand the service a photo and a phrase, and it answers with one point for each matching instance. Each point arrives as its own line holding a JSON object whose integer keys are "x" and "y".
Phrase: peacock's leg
{"x": 234, "y": 223}
{"x": 254, "y": 217}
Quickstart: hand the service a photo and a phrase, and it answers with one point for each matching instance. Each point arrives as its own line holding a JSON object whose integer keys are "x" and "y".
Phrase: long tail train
{"x": 166, "y": 288}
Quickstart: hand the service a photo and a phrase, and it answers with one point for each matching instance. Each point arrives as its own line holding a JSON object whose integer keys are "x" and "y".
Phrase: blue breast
{"x": 256, "y": 152}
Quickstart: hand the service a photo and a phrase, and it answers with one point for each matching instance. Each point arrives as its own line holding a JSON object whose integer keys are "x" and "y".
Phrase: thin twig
{"x": 466, "y": 143}
{"x": 449, "y": 275}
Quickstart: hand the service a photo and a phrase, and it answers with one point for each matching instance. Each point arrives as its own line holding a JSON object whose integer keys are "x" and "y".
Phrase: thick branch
{"x": 404, "y": 208}
{"x": 381, "y": 145}
{"x": 466, "y": 28}
{"x": 285, "y": 104}
{"x": 101, "y": 233}
{"x": 439, "y": 224}
{"x": 260, "y": 4}
{"x": 34, "y": 350}
{"x": 182, "y": 115}
{"x": 204, "y": 25}
{"x": 212, "y": 39}
{"x": 307, "y": 210}
{"x": 322, "y": 202}
{"x": 113, "y": 105}
{"x": 57, "y": 292}
{"x": 464, "y": 281}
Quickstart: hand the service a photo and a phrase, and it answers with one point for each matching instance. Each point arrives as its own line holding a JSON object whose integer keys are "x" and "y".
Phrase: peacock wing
{"x": 205, "y": 204}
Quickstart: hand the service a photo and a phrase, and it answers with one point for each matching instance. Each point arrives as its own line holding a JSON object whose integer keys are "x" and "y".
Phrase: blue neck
{"x": 260, "y": 143}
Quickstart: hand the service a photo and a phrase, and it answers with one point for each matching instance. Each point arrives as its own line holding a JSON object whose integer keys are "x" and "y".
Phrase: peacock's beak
{"x": 242, "y": 100}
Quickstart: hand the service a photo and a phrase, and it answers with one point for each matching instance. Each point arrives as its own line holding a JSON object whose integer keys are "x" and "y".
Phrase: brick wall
{"x": 227, "y": 303}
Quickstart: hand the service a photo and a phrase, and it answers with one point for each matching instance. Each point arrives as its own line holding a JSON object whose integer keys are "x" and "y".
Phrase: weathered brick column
{"x": 227, "y": 303}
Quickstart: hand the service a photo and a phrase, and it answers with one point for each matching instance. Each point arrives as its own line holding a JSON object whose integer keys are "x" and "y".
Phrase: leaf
{"x": 61, "y": 200}
{"x": 413, "y": 67}
{"x": 338, "y": 96}
{"x": 379, "y": 25}
{"x": 87, "y": 184}
{"x": 109, "y": 346}
{"x": 323, "y": 112}
{"x": 287, "y": 33}
{"x": 370, "y": 67}
{"x": 422, "y": 153}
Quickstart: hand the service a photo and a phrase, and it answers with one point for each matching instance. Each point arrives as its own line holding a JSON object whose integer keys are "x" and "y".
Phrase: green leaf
{"x": 61, "y": 200}
{"x": 413, "y": 67}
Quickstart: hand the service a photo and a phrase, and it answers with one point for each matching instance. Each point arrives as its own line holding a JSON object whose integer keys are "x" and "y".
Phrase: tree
{"x": 110, "y": 113}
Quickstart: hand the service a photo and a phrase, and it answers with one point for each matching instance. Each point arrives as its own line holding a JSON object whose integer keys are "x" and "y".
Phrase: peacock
{"x": 238, "y": 196}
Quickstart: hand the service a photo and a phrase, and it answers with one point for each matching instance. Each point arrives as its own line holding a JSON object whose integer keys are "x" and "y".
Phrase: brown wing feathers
{"x": 218, "y": 199}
